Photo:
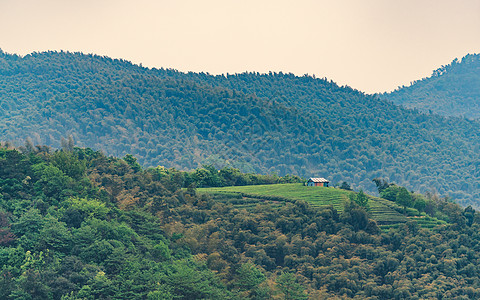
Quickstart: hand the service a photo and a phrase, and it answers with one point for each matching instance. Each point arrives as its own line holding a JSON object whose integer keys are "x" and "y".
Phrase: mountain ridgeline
{"x": 265, "y": 123}
{"x": 452, "y": 90}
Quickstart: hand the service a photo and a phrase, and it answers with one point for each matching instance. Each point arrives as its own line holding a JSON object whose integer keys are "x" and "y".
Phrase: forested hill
{"x": 452, "y": 90}
{"x": 76, "y": 224}
{"x": 257, "y": 122}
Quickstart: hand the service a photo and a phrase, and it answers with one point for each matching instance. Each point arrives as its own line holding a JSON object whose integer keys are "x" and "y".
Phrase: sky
{"x": 370, "y": 45}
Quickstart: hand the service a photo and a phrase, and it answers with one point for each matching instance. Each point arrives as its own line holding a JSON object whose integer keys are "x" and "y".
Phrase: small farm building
{"x": 317, "y": 182}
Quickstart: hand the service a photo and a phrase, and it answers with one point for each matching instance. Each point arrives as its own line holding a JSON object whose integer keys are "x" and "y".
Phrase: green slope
{"x": 385, "y": 212}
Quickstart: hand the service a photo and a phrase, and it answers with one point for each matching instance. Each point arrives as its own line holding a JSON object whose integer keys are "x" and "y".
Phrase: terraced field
{"x": 387, "y": 214}
{"x": 317, "y": 196}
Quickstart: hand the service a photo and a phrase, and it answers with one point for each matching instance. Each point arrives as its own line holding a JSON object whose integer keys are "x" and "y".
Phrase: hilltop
{"x": 263, "y": 123}
{"x": 452, "y": 90}
{"x": 385, "y": 213}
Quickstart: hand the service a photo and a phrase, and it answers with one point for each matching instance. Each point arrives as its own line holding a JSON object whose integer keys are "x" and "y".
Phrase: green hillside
{"x": 381, "y": 210}
{"x": 262, "y": 123}
{"x": 77, "y": 224}
{"x": 452, "y": 90}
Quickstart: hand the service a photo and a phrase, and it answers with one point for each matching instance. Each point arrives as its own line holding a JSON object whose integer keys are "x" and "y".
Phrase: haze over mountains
{"x": 452, "y": 90}
{"x": 257, "y": 122}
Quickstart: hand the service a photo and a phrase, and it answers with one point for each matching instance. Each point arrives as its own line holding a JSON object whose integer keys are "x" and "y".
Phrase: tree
{"x": 52, "y": 182}
{"x": 390, "y": 193}
{"x": 355, "y": 215}
{"x": 360, "y": 199}
{"x": 191, "y": 283}
{"x": 160, "y": 295}
{"x": 381, "y": 184}
{"x": 54, "y": 235}
{"x": 287, "y": 283}
{"x": 132, "y": 162}
{"x": 420, "y": 203}
{"x": 68, "y": 163}
{"x": 249, "y": 276}
{"x": 469, "y": 214}
{"x": 404, "y": 199}
{"x": 345, "y": 186}
{"x": 67, "y": 145}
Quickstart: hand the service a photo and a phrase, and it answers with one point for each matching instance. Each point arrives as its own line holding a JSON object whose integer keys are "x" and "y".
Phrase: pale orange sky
{"x": 371, "y": 45}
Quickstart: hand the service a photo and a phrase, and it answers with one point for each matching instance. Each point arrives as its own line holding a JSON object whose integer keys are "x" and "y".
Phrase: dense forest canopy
{"x": 265, "y": 123}
{"x": 452, "y": 90}
{"x": 76, "y": 224}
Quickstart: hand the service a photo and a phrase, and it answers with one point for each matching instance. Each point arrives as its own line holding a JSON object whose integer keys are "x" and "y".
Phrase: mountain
{"x": 261, "y": 123}
{"x": 452, "y": 90}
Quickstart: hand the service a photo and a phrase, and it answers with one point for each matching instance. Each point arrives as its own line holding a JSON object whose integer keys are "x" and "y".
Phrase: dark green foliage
{"x": 356, "y": 215}
{"x": 262, "y": 123}
{"x": 132, "y": 162}
{"x": 345, "y": 186}
{"x": 381, "y": 184}
{"x": 469, "y": 214}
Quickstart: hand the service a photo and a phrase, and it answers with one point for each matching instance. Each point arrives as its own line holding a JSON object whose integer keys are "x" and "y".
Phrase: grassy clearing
{"x": 387, "y": 214}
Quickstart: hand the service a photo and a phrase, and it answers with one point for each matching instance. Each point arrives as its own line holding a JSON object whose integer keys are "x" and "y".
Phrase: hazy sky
{"x": 371, "y": 45}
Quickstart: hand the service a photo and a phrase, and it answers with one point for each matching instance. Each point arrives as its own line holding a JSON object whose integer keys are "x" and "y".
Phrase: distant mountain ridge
{"x": 452, "y": 90}
{"x": 262, "y": 123}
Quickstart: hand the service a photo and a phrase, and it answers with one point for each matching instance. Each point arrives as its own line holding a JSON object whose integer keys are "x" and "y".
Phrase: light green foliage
{"x": 294, "y": 191}
{"x": 360, "y": 199}
{"x": 249, "y": 276}
{"x": 207, "y": 176}
{"x": 33, "y": 261}
{"x": 185, "y": 281}
{"x": 92, "y": 208}
{"x": 99, "y": 287}
{"x": 31, "y": 222}
{"x": 290, "y": 288}
{"x": 161, "y": 251}
{"x": 52, "y": 182}
{"x": 159, "y": 295}
{"x": 390, "y": 193}
{"x": 69, "y": 164}
{"x": 404, "y": 198}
